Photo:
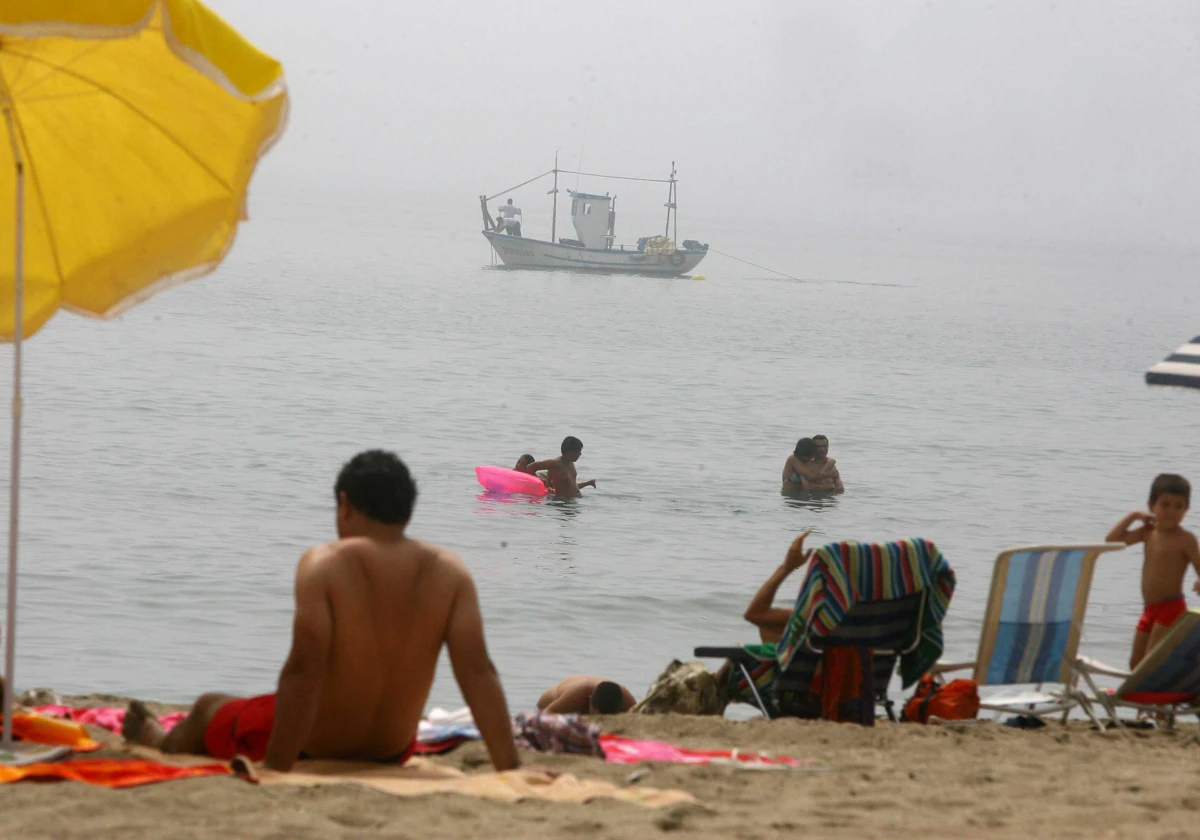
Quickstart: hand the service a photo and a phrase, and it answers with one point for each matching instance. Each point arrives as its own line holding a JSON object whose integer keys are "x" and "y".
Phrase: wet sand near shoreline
{"x": 895, "y": 781}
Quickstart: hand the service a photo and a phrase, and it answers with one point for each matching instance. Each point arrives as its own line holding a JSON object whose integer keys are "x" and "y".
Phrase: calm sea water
{"x": 179, "y": 461}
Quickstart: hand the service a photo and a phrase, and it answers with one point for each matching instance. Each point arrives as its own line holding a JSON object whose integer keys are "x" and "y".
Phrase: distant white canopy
{"x": 1180, "y": 368}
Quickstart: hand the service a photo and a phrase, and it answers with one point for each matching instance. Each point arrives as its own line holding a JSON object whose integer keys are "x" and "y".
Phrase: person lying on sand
{"x": 586, "y": 696}
{"x": 770, "y": 620}
{"x": 563, "y": 478}
{"x": 372, "y": 612}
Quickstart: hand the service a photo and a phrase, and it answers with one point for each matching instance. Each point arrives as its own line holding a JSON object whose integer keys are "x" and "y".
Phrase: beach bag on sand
{"x": 685, "y": 689}
{"x": 956, "y": 700}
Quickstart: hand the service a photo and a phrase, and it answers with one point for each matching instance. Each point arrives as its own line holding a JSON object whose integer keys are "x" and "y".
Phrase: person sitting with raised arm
{"x": 770, "y": 620}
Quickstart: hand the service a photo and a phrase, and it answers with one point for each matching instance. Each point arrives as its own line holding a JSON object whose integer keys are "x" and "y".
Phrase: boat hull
{"x": 519, "y": 252}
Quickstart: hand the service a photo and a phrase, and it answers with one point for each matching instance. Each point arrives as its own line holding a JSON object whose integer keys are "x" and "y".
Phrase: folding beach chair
{"x": 886, "y": 597}
{"x": 1031, "y": 629}
{"x": 1166, "y": 681}
{"x": 888, "y": 628}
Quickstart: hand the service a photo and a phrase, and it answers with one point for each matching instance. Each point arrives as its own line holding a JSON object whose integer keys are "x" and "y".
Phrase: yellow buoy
{"x": 697, "y": 276}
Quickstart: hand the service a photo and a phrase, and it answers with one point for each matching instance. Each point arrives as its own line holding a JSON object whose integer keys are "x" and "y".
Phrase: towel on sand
{"x": 106, "y": 717}
{"x": 420, "y": 777}
{"x": 39, "y": 729}
{"x": 621, "y": 750}
{"x": 108, "y": 772}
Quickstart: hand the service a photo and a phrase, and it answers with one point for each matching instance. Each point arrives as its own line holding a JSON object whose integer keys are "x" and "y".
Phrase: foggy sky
{"x": 1074, "y": 121}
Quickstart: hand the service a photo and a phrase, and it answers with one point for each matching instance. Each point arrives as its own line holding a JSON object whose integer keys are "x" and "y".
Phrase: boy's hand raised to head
{"x": 1146, "y": 519}
{"x": 797, "y": 556}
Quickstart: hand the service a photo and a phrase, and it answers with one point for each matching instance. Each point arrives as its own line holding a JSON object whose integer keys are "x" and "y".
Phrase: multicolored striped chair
{"x": 1166, "y": 681}
{"x": 1032, "y": 626}
{"x": 886, "y": 597}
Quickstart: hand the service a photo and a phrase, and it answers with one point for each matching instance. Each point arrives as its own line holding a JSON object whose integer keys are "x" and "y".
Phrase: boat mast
{"x": 675, "y": 234}
{"x": 671, "y": 203}
{"x": 554, "y": 212}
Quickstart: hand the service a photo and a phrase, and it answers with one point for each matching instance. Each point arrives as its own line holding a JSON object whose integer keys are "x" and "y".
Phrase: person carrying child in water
{"x": 561, "y": 470}
{"x": 1169, "y": 548}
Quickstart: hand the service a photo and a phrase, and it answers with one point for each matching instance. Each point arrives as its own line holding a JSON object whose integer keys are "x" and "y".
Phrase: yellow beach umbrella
{"x": 133, "y": 128}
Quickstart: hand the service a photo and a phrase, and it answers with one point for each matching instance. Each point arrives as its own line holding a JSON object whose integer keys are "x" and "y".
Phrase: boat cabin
{"x": 594, "y": 217}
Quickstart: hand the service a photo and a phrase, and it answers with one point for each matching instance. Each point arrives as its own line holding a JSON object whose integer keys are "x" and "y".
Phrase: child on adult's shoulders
{"x": 1169, "y": 549}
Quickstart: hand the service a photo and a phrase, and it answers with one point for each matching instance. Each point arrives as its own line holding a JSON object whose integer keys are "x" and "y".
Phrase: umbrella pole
{"x": 10, "y": 634}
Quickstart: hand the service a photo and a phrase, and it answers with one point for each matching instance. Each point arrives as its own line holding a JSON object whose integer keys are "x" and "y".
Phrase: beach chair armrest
{"x": 734, "y": 652}
{"x": 1095, "y": 666}
{"x": 944, "y": 667}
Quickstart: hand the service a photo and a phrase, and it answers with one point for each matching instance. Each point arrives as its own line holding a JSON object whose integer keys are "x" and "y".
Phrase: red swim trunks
{"x": 243, "y": 727}
{"x": 1163, "y": 612}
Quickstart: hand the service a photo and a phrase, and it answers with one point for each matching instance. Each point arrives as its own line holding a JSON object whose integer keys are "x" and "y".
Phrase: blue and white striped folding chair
{"x": 1031, "y": 629}
{"x": 1180, "y": 368}
{"x": 1166, "y": 681}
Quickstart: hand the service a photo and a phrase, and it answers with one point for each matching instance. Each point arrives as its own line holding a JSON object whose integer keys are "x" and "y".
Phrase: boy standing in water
{"x": 561, "y": 470}
{"x": 1169, "y": 549}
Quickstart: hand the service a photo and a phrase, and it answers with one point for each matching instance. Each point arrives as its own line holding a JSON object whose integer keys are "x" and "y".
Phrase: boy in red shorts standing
{"x": 1169, "y": 549}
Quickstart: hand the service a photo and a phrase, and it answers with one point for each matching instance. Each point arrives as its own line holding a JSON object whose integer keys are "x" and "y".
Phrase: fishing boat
{"x": 594, "y": 217}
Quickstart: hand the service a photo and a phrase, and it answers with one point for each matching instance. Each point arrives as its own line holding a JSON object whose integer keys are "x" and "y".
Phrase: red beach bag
{"x": 957, "y": 700}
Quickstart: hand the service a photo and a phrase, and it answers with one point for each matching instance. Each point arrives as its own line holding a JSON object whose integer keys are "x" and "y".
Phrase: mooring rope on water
{"x": 802, "y": 279}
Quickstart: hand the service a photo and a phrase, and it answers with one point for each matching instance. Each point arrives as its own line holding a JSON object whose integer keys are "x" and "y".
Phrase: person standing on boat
{"x": 511, "y": 216}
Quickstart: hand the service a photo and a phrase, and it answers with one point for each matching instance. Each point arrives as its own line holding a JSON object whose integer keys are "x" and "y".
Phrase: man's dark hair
{"x": 571, "y": 444}
{"x": 527, "y": 457}
{"x": 607, "y": 698}
{"x": 1170, "y": 483}
{"x": 805, "y": 448}
{"x": 820, "y": 437}
{"x": 379, "y": 486}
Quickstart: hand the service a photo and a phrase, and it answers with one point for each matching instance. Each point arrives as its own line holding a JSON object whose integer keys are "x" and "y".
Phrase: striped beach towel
{"x": 1180, "y": 368}
{"x": 843, "y": 574}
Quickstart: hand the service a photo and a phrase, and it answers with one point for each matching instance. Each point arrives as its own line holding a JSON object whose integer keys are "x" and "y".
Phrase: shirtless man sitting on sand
{"x": 372, "y": 612}
{"x": 563, "y": 478}
{"x": 586, "y": 696}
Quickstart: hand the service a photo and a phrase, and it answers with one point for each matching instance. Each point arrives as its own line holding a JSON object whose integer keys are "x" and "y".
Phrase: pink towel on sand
{"x": 621, "y": 750}
{"x": 106, "y": 718}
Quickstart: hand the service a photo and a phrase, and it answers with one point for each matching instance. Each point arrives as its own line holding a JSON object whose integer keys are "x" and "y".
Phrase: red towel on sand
{"x": 108, "y": 772}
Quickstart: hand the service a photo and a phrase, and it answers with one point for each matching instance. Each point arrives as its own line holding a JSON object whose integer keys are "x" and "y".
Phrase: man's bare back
{"x": 372, "y": 612}
{"x": 379, "y": 613}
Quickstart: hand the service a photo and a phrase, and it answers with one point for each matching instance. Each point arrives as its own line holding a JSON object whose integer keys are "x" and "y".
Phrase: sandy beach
{"x": 895, "y": 780}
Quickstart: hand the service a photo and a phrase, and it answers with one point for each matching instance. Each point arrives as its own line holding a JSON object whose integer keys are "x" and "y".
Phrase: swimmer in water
{"x": 801, "y": 471}
{"x": 561, "y": 470}
{"x": 523, "y": 464}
